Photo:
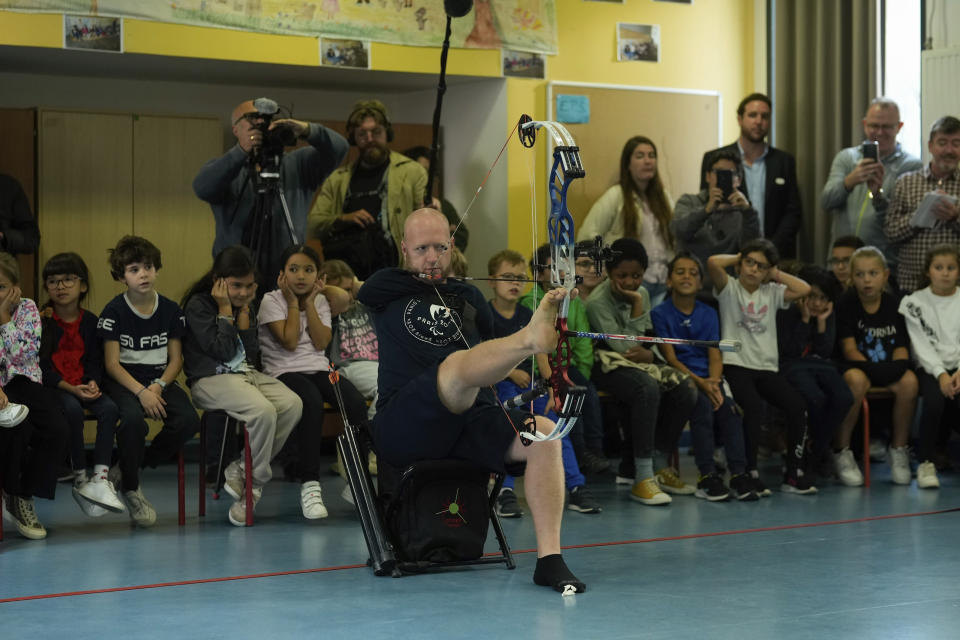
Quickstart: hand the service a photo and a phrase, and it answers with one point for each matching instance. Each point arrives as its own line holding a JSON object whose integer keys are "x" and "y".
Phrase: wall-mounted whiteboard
{"x": 683, "y": 123}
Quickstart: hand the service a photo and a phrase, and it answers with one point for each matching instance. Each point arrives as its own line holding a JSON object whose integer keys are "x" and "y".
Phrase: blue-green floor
{"x": 879, "y": 578}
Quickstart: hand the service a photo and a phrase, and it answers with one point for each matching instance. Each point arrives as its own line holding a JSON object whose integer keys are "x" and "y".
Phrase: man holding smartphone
{"x": 769, "y": 175}
{"x": 862, "y": 178}
{"x": 719, "y": 219}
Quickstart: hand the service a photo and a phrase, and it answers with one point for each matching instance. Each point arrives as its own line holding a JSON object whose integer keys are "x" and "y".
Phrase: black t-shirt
{"x": 143, "y": 339}
{"x": 364, "y": 190}
{"x": 416, "y": 328}
{"x": 876, "y": 334}
{"x": 503, "y": 327}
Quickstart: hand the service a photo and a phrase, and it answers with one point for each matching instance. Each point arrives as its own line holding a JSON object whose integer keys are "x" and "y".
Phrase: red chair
{"x": 248, "y": 468}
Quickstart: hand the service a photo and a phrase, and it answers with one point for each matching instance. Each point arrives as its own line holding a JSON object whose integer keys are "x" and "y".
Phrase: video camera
{"x": 270, "y": 151}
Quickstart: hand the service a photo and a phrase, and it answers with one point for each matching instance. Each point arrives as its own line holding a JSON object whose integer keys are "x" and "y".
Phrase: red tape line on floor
{"x": 273, "y": 574}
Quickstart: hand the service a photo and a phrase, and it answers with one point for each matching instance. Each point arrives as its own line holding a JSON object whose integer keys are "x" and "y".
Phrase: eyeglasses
{"x": 750, "y": 262}
{"x": 876, "y": 126}
{"x": 836, "y": 262}
{"x": 362, "y": 134}
{"x": 253, "y": 117}
{"x": 67, "y": 283}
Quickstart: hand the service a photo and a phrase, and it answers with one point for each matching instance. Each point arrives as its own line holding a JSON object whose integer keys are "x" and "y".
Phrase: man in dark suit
{"x": 769, "y": 175}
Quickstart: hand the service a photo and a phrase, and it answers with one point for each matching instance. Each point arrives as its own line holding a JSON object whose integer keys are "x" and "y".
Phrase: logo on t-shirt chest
{"x": 146, "y": 342}
{"x": 431, "y": 323}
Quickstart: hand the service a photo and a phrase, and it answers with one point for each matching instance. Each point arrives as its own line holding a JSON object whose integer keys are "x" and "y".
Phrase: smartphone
{"x": 871, "y": 149}
{"x": 725, "y": 182}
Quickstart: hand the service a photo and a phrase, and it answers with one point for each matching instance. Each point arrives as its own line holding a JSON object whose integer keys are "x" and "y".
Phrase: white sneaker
{"x": 878, "y": 451}
{"x": 88, "y": 508}
{"x": 101, "y": 493}
{"x": 847, "y": 468}
{"x": 347, "y": 494}
{"x": 238, "y": 511}
{"x": 234, "y": 479}
{"x": 142, "y": 512}
{"x": 13, "y": 414}
{"x": 927, "y": 476}
{"x": 311, "y": 502}
{"x": 899, "y": 465}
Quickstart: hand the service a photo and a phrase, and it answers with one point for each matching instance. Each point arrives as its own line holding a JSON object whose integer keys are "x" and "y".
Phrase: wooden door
{"x": 85, "y": 193}
{"x": 167, "y": 154}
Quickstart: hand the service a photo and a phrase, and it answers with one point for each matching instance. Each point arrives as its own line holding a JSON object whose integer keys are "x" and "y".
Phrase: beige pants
{"x": 268, "y": 408}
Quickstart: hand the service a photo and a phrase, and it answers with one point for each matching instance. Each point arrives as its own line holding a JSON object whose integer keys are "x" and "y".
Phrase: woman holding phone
{"x": 719, "y": 219}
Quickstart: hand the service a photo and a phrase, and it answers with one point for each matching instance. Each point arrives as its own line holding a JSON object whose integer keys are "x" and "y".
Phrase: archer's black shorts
{"x": 414, "y": 425}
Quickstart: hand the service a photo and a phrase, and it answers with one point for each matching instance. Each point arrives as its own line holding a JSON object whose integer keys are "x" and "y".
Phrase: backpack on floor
{"x": 436, "y": 510}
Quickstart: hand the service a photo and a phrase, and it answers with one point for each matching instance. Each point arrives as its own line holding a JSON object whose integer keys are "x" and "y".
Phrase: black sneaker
{"x": 795, "y": 482}
{"x": 582, "y": 500}
{"x": 710, "y": 487}
{"x": 507, "y": 505}
{"x": 759, "y": 488}
{"x": 742, "y": 487}
{"x": 594, "y": 462}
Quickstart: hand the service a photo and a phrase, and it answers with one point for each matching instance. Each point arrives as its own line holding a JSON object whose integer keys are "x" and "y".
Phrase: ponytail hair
{"x": 232, "y": 262}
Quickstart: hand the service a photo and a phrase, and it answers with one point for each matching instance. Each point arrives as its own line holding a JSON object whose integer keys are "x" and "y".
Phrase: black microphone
{"x": 457, "y": 8}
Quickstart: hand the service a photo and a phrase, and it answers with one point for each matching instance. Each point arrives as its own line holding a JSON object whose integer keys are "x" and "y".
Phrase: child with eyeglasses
{"x": 748, "y": 306}
{"x": 71, "y": 359}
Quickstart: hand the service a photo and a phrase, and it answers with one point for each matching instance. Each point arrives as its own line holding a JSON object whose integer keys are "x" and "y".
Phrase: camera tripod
{"x": 259, "y": 229}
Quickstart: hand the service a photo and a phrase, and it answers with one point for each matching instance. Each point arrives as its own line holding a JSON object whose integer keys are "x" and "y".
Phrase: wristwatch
{"x": 159, "y": 381}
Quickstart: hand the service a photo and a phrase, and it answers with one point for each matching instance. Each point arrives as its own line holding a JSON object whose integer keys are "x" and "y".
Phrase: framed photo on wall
{"x": 638, "y": 42}
{"x": 93, "y": 33}
{"x": 337, "y": 52}
{"x": 523, "y": 64}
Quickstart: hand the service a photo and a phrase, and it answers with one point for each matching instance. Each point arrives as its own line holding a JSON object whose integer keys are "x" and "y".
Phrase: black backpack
{"x": 436, "y": 510}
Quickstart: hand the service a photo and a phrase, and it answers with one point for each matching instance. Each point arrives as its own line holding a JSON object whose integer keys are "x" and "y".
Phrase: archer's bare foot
{"x": 542, "y": 330}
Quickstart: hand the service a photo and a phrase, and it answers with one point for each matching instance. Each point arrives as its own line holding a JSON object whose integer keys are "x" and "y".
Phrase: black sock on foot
{"x": 552, "y": 571}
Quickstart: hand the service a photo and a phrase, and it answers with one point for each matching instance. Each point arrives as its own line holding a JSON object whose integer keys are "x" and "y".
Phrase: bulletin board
{"x": 682, "y": 123}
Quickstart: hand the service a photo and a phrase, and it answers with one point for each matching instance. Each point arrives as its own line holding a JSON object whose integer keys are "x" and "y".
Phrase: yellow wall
{"x": 707, "y": 45}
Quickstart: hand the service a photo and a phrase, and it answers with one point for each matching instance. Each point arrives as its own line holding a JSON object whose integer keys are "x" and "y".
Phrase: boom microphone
{"x": 457, "y": 8}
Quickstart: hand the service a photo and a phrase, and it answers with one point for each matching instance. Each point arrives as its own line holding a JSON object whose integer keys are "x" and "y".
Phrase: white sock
{"x": 100, "y": 471}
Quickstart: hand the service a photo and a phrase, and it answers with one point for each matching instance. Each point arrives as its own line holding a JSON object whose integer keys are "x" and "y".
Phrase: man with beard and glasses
{"x": 361, "y": 208}
{"x": 770, "y": 175}
{"x": 941, "y": 178}
{"x": 224, "y": 182}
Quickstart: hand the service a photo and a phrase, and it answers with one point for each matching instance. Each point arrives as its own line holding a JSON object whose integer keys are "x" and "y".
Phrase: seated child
{"x": 936, "y": 344}
{"x": 681, "y": 315}
{"x": 294, "y": 332}
{"x": 748, "y": 305}
{"x": 659, "y": 398}
{"x": 875, "y": 346}
{"x": 33, "y": 437}
{"x": 220, "y": 352}
{"x": 806, "y": 334}
{"x": 141, "y": 333}
{"x": 587, "y": 435}
{"x": 839, "y": 261}
{"x": 71, "y": 358}
{"x": 509, "y": 317}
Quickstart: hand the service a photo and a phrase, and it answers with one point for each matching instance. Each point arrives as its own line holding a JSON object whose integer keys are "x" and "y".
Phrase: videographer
{"x": 230, "y": 183}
